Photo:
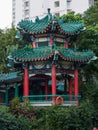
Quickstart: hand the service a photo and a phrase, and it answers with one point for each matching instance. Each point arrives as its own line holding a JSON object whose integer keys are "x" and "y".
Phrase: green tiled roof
{"x": 50, "y": 23}
{"x": 73, "y": 55}
{"x": 43, "y": 53}
{"x": 9, "y": 77}
{"x": 71, "y": 27}
{"x": 37, "y": 26}
{"x": 30, "y": 54}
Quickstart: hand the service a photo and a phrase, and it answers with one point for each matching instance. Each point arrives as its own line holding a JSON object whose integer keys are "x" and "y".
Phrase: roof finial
{"x": 48, "y": 10}
{"x": 49, "y": 14}
{"x": 36, "y": 19}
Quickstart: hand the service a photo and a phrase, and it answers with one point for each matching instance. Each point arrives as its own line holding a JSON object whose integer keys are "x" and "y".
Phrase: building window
{"x": 57, "y": 14}
{"x": 13, "y": 13}
{"x": 91, "y": 2}
{"x": 13, "y": 16}
{"x": 26, "y": 12}
{"x": 26, "y": 4}
{"x": 56, "y": 3}
{"x": 68, "y": 3}
{"x": 69, "y": 10}
{"x": 40, "y": 44}
{"x": 26, "y": 18}
{"x": 13, "y": 4}
{"x": 13, "y": 1}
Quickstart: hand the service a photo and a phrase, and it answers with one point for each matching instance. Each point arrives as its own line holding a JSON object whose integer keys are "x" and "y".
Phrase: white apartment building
{"x": 29, "y": 9}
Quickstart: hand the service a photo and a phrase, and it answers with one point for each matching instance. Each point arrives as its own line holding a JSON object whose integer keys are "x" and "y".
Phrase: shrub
{"x": 21, "y": 109}
{"x": 9, "y": 122}
{"x": 66, "y": 118}
{"x": 55, "y": 117}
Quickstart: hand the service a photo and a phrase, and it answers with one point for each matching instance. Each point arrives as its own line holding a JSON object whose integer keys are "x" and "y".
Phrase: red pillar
{"x": 76, "y": 85}
{"x": 53, "y": 82}
{"x": 34, "y": 44}
{"x": 51, "y": 41}
{"x": 46, "y": 88}
{"x": 26, "y": 82}
{"x": 66, "y": 44}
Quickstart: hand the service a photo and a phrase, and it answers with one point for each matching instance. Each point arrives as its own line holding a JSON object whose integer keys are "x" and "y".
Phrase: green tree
{"x": 71, "y": 16}
{"x": 91, "y": 15}
{"x": 8, "y": 42}
{"x": 88, "y": 39}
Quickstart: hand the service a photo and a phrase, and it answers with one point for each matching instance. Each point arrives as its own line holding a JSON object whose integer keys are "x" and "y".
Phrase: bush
{"x": 4, "y": 108}
{"x": 66, "y": 118}
{"x": 55, "y": 117}
{"x": 9, "y": 122}
{"x": 21, "y": 109}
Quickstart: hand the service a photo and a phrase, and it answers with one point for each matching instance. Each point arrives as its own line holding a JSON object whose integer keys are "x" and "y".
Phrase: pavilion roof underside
{"x": 45, "y": 53}
{"x": 50, "y": 24}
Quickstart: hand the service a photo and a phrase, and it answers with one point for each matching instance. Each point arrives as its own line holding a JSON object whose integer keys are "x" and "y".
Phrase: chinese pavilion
{"x": 49, "y": 55}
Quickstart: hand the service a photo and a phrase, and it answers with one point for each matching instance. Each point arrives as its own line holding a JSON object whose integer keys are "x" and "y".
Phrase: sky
{"x": 5, "y": 14}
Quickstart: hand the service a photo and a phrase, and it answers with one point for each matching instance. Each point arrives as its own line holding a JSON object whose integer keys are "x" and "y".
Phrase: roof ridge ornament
{"x": 48, "y": 10}
{"x": 49, "y": 14}
{"x": 37, "y": 19}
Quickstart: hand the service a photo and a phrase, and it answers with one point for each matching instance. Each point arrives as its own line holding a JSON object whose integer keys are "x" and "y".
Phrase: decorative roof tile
{"x": 43, "y": 53}
{"x": 34, "y": 27}
{"x": 30, "y": 54}
{"x": 41, "y": 25}
{"x": 74, "y": 55}
{"x": 9, "y": 76}
{"x": 72, "y": 27}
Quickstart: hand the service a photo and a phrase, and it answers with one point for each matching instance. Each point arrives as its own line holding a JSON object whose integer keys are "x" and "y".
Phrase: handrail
{"x": 44, "y": 95}
{"x": 50, "y": 96}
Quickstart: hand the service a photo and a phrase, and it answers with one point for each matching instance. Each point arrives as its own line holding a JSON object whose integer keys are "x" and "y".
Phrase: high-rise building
{"x": 29, "y": 9}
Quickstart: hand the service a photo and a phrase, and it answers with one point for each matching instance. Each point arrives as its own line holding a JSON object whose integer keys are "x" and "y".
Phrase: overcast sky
{"x": 5, "y": 13}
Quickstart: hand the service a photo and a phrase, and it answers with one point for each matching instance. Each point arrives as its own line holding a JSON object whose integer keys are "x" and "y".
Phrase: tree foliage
{"x": 91, "y": 15}
{"x": 88, "y": 39}
{"x": 9, "y": 122}
{"x": 54, "y": 118}
{"x": 71, "y": 16}
{"x": 8, "y": 42}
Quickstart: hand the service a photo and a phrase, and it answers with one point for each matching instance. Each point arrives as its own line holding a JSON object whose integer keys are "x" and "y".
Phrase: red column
{"x": 46, "y": 88}
{"x": 66, "y": 44}
{"x": 34, "y": 44}
{"x": 76, "y": 84}
{"x": 26, "y": 82}
{"x": 53, "y": 82}
{"x": 51, "y": 41}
